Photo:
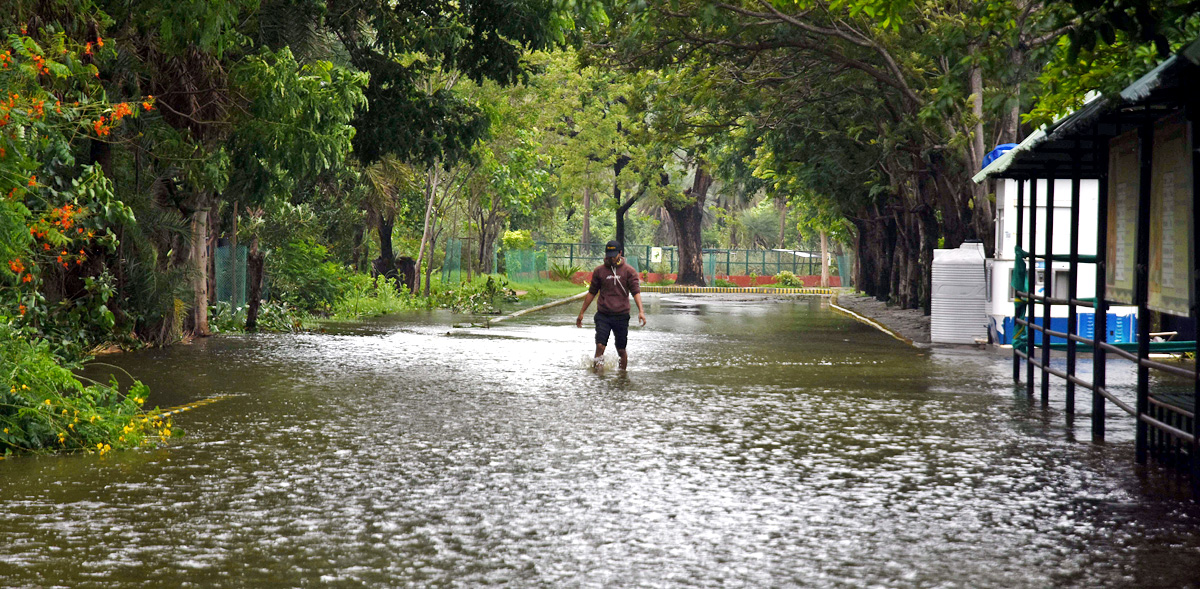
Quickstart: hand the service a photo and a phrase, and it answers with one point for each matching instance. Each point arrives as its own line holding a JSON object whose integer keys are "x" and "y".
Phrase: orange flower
{"x": 22, "y": 308}
{"x": 27, "y": 278}
{"x": 87, "y": 49}
{"x": 147, "y": 106}
{"x": 99, "y": 42}
{"x": 16, "y": 266}
{"x": 120, "y": 111}
{"x": 33, "y": 180}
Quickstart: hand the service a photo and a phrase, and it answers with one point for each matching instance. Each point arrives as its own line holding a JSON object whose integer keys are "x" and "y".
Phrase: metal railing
{"x": 1166, "y": 430}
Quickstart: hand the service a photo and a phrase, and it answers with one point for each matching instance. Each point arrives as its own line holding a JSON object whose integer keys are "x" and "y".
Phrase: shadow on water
{"x": 751, "y": 443}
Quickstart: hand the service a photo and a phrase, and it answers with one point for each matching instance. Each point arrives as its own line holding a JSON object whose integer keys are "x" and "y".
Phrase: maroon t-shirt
{"x": 613, "y": 287}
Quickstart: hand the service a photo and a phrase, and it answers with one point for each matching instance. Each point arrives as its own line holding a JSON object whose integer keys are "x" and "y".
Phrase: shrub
{"x": 47, "y": 408}
{"x": 564, "y": 272}
{"x": 722, "y": 282}
{"x": 478, "y": 297}
{"x": 303, "y": 277}
{"x": 788, "y": 279}
{"x": 518, "y": 240}
{"x": 272, "y": 316}
{"x": 372, "y": 297}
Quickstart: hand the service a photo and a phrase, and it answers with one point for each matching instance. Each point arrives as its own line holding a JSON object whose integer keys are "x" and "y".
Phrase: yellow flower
{"x": 47, "y": 401}
{"x": 72, "y": 426}
{"x": 6, "y": 430}
{"x": 64, "y": 412}
{"x": 99, "y": 445}
{"x": 24, "y": 388}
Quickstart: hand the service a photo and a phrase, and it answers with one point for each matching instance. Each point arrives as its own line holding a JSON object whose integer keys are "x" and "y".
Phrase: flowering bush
{"x": 44, "y": 407}
{"x": 56, "y": 218}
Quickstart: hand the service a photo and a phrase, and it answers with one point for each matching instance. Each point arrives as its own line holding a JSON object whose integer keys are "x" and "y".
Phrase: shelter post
{"x": 1030, "y": 346}
{"x": 1048, "y": 285}
{"x": 1073, "y": 285}
{"x": 1100, "y": 333}
{"x": 1141, "y": 285}
{"x": 1016, "y": 260}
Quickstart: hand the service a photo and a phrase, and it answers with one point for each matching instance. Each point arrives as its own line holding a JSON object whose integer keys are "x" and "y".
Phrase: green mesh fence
{"x": 231, "y": 275}
{"x": 526, "y": 265}
{"x": 710, "y": 268}
{"x": 452, "y": 269}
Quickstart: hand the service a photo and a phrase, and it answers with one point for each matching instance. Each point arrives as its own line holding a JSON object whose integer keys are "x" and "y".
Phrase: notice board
{"x": 1171, "y": 231}
{"x": 1121, "y": 241}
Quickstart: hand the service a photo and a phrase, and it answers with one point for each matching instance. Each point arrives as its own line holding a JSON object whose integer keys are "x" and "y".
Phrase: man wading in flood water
{"x": 612, "y": 284}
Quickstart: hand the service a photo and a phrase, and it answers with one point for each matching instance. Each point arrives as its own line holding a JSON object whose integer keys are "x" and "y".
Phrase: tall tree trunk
{"x": 385, "y": 264}
{"x": 782, "y": 206}
{"x": 824, "y": 259}
{"x": 618, "y": 165}
{"x": 431, "y": 180}
{"x": 982, "y": 220}
{"x": 686, "y": 214}
{"x": 586, "y": 235}
{"x": 254, "y": 268}
{"x": 200, "y": 272}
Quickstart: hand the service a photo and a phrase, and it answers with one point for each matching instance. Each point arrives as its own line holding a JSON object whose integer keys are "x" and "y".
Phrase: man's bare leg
{"x": 598, "y": 361}
{"x": 624, "y": 359}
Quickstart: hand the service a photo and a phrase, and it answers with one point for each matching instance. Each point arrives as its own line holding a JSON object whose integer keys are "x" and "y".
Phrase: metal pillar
{"x": 1020, "y": 241}
{"x": 1030, "y": 346}
{"x": 1048, "y": 286}
{"x": 1100, "y": 334}
{"x": 1193, "y": 111}
{"x": 1141, "y": 286}
{"x": 1073, "y": 284}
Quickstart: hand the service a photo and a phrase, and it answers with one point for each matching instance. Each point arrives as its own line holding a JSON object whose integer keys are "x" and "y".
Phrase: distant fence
{"x": 665, "y": 259}
{"x": 537, "y": 264}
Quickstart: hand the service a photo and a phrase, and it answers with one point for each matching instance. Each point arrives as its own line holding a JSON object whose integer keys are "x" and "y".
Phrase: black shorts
{"x": 617, "y": 324}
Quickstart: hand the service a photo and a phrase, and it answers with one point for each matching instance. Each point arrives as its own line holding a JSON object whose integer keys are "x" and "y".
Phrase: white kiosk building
{"x": 1122, "y": 321}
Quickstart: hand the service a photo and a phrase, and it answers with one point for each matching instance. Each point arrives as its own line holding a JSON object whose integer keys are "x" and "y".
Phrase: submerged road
{"x": 752, "y": 443}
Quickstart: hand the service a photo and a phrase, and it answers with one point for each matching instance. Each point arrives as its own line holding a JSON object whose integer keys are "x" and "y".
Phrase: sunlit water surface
{"x": 751, "y": 443}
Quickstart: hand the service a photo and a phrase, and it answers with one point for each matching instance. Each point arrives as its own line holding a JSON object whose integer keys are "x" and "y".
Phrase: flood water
{"x": 752, "y": 443}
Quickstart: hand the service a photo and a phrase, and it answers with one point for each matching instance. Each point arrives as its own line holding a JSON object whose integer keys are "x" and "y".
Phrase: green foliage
{"x": 302, "y": 276}
{"x": 786, "y": 278}
{"x": 296, "y": 124}
{"x": 272, "y": 316}
{"x": 518, "y": 240}
{"x": 564, "y": 272}
{"x": 722, "y": 282}
{"x": 46, "y": 408}
{"x": 478, "y": 297}
{"x": 374, "y": 297}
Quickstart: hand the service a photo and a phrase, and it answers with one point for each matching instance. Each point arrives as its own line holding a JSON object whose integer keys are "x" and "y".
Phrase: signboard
{"x": 1171, "y": 232}
{"x": 1121, "y": 241}
{"x": 656, "y": 254}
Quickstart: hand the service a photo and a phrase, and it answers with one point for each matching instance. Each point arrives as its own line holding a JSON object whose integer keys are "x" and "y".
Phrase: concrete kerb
{"x": 833, "y": 304}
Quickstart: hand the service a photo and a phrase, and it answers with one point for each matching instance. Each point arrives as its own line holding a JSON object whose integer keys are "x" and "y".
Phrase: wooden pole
{"x": 1141, "y": 286}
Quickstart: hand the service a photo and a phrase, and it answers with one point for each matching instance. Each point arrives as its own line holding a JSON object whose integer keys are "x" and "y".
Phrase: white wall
{"x": 1001, "y": 304}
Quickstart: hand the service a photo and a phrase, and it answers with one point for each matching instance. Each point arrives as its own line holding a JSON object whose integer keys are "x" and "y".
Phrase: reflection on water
{"x": 751, "y": 443}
